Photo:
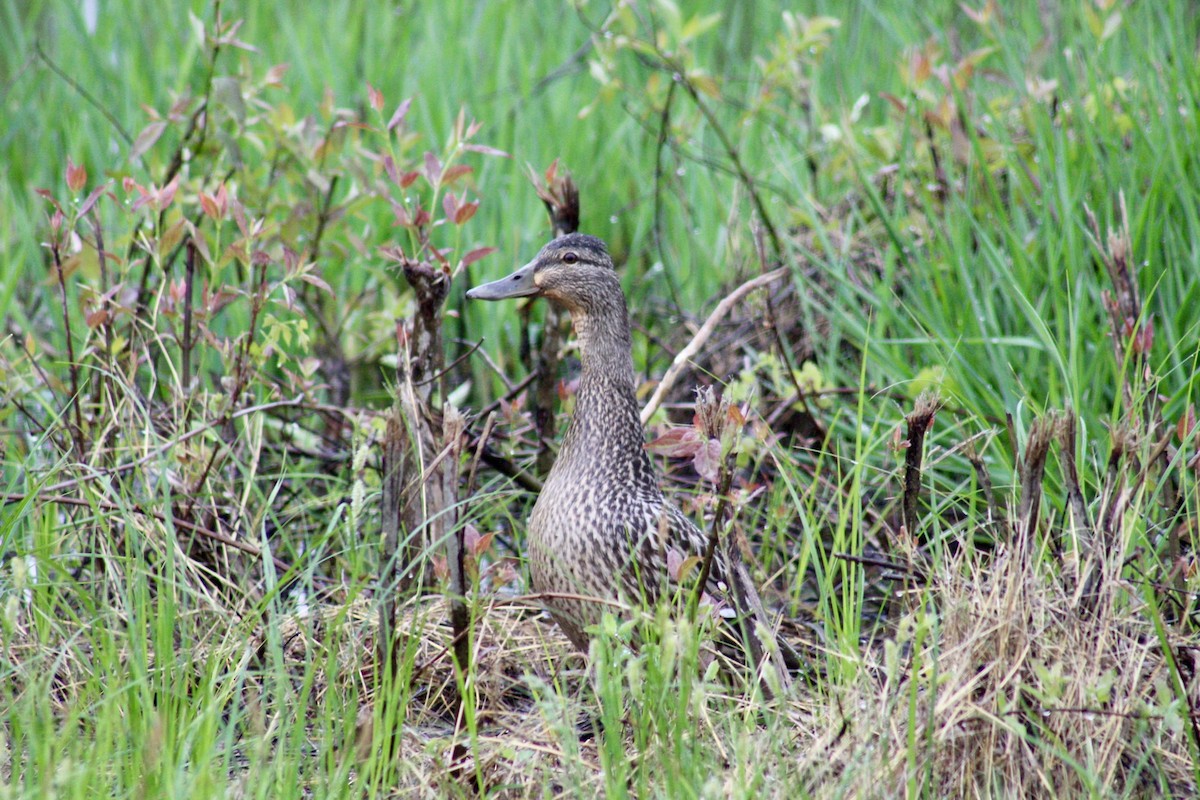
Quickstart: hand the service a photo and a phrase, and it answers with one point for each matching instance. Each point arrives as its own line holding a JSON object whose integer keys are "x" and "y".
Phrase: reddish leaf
{"x": 45, "y": 193}
{"x": 389, "y": 166}
{"x": 677, "y": 443}
{"x": 97, "y": 318}
{"x": 736, "y": 416}
{"x": 147, "y": 197}
{"x": 407, "y": 179}
{"x": 678, "y": 567}
{"x": 401, "y": 214}
{"x": 219, "y": 299}
{"x": 209, "y": 205}
{"x": 93, "y": 197}
{"x": 465, "y": 212}
{"x": 470, "y": 537}
{"x": 146, "y": 139}
{"x": 399, "y": 114}
{"x": 275, "y": 74}
{"x": 215, "y": 205}
{"x": 455, "y": 172}
{"x": 239, "y": 216}
{"x": 476, "y": 254}
{"x": 167, "y": 194}
{"x": 393, "y": 253}
{"x": 200, "y": 243}
{"x": 291, "y": 260}
{"x": 178, "y": 110}
{"x": 487, "y": 151}
{"x": 1186, "y": 423}
{"x": 375, "y": 97}
{"x": 441, "y": 570}
{"x": 501, "y": 572}
{"x": 315, "y": 280}
{"x": 450, "y": 204}
{"x": 483, "y": 544}
{"x": 433, "y": 168}
{"x": 896, "y": 102}
{"x": 76, "y": 175}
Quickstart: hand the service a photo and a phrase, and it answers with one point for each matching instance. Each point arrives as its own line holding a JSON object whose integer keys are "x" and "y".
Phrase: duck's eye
{"x": 570, "y": 258}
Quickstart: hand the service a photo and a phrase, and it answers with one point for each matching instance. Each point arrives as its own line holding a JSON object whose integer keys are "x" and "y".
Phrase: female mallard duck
{"x": 600, "y": 527}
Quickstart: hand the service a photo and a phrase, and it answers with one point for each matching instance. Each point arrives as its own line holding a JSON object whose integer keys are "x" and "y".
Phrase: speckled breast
{"x": 578, "y": 552}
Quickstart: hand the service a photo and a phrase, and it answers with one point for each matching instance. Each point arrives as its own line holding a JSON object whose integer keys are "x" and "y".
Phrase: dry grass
{"x": 1003, "y": 684}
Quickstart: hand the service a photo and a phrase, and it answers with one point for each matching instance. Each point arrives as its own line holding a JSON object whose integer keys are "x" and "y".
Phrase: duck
{"x": 601, "y": 531}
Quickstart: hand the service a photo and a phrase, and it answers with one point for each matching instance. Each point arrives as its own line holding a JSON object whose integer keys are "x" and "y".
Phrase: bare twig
{"x": 452, "y": 365}
{"x": 883, "y": 563}
{"x": 731, "y": 151}
{"x": 815, "y": 426}
{"x": 663, "y": 138}
{"x": 189, "y": 275}
{"x": 702, "y": 336}
{"x": 105, "y": 283}
{"x": 478, "y": 446}
{"x": 72, "y": 366}
{"x": 84, "y": 93}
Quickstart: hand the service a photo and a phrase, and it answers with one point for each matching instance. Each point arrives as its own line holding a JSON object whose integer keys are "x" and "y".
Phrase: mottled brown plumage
{"x": 601, "y": 527}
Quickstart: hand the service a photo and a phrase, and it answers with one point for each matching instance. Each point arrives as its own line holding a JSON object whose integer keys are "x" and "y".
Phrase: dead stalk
{"x": 1031, "y": 469}
{"x": 918, "y": 422}
{"x": 561, "y": 198}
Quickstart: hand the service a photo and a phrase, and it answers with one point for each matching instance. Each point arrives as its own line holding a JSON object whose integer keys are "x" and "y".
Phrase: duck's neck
{"x": 605, "y": 439}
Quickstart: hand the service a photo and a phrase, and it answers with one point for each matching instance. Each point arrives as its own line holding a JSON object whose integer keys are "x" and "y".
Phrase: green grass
{"x": 927, "y": 177}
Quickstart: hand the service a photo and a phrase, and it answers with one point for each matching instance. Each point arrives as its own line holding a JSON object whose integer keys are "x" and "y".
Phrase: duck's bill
{"x": 519, "y": 284}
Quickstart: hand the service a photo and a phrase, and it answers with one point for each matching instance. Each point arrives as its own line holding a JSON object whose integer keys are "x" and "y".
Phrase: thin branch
{"x": 72, "y": 366}
{"x": 451, "y": 366}
{"x": 822, "y": 435}
{"x": 84, "y": 93}
{"x": 702, "y": 336}
{"x": 189, "y": 275}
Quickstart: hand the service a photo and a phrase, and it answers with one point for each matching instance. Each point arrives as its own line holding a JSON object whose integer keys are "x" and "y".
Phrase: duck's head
{"x": 573, "y": 271}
